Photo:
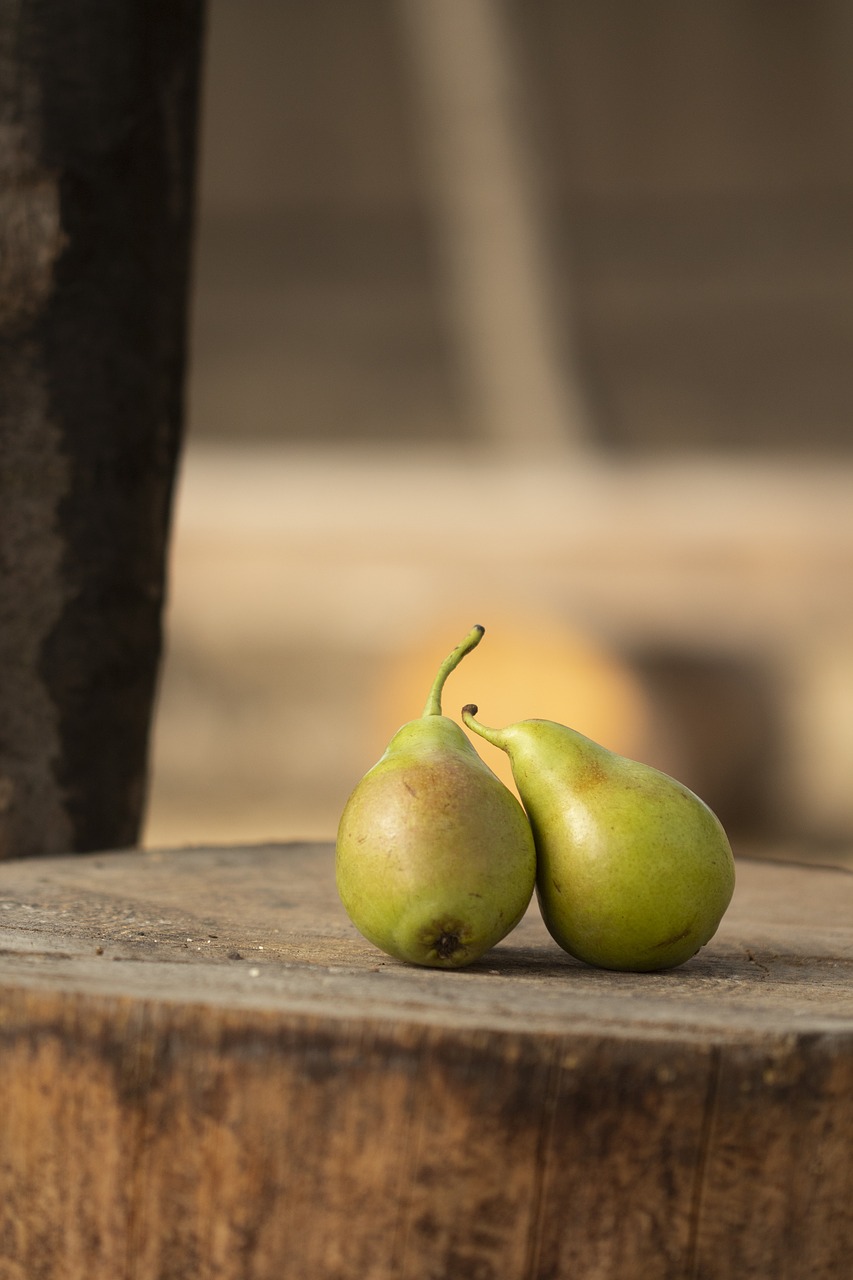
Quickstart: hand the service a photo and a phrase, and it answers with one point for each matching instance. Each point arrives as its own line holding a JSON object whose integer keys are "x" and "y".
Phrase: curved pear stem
{"x": 495, "y": 736}
{"x": 451, "y": 662}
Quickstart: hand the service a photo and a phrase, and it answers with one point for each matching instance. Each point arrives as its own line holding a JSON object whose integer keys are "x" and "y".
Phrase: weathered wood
{"x": 206, "y": 1071}
{"x": 97, "y": 139}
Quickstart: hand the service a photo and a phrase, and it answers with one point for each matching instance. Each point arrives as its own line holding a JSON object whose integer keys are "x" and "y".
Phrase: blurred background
{"x": 538, "y": 316}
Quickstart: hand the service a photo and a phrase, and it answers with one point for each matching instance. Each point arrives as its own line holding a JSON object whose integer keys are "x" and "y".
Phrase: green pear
{"x": 634, "y": 871}
{"x": 435, "y": 861}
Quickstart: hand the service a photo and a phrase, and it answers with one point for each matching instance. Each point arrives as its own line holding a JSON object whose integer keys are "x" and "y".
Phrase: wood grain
{"x": 206, "y": 1072}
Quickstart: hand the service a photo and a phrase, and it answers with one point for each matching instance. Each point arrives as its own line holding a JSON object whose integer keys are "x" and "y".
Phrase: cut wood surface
{"x": 207, "y": 1072}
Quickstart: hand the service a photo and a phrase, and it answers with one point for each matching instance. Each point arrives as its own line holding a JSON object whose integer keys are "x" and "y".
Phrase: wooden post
{"x": 98, "y": 106}
{"x": 524, "y": 391}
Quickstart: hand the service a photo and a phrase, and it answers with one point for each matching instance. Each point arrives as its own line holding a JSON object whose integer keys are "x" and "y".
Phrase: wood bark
{"x": 206, "y": 1072}
{"x": 97, "y": 140}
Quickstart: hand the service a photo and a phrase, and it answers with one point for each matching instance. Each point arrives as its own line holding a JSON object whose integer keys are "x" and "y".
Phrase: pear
{"x": 634, "y": 871}
{"x": 435, "y": 861}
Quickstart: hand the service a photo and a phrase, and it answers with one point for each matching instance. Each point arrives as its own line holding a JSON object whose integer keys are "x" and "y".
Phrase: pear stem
{"x": 495, "y": 736}
{"x": 451, "y": 662}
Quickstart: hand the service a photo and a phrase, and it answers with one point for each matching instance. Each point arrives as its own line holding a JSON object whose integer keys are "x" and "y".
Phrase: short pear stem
{"x": 451, "y": 662}
{"x": 495, "y": 736}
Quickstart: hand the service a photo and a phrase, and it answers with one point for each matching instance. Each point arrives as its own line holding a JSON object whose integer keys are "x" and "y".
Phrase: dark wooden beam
{"x": 98, "y": 104}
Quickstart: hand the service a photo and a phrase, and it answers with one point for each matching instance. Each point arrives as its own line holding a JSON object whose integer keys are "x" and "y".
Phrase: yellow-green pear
{"x": 435, "y": 860}
{"x": 634, "y": 871}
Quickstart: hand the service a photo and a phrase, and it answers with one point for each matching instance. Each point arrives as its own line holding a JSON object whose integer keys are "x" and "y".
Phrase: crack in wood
{"x": 705, "y": 1138}
{"x": 544, "y": 1148}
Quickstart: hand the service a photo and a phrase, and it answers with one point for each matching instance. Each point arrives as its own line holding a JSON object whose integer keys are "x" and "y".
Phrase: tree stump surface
{"x": 206, "y": 1071}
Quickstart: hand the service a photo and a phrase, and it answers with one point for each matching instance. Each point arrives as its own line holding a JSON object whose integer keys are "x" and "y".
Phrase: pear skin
{"x": 435, "y": 860}
{"x": 634, "y": 871}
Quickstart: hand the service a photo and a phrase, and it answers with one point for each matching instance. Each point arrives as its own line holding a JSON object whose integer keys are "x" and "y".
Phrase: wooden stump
{"x": 206, "y": 1072}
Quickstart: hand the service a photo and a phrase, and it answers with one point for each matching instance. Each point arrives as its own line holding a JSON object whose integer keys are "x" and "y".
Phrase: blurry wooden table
{"x": 303, "y": 584}
{"x": 206, "y": 1072}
